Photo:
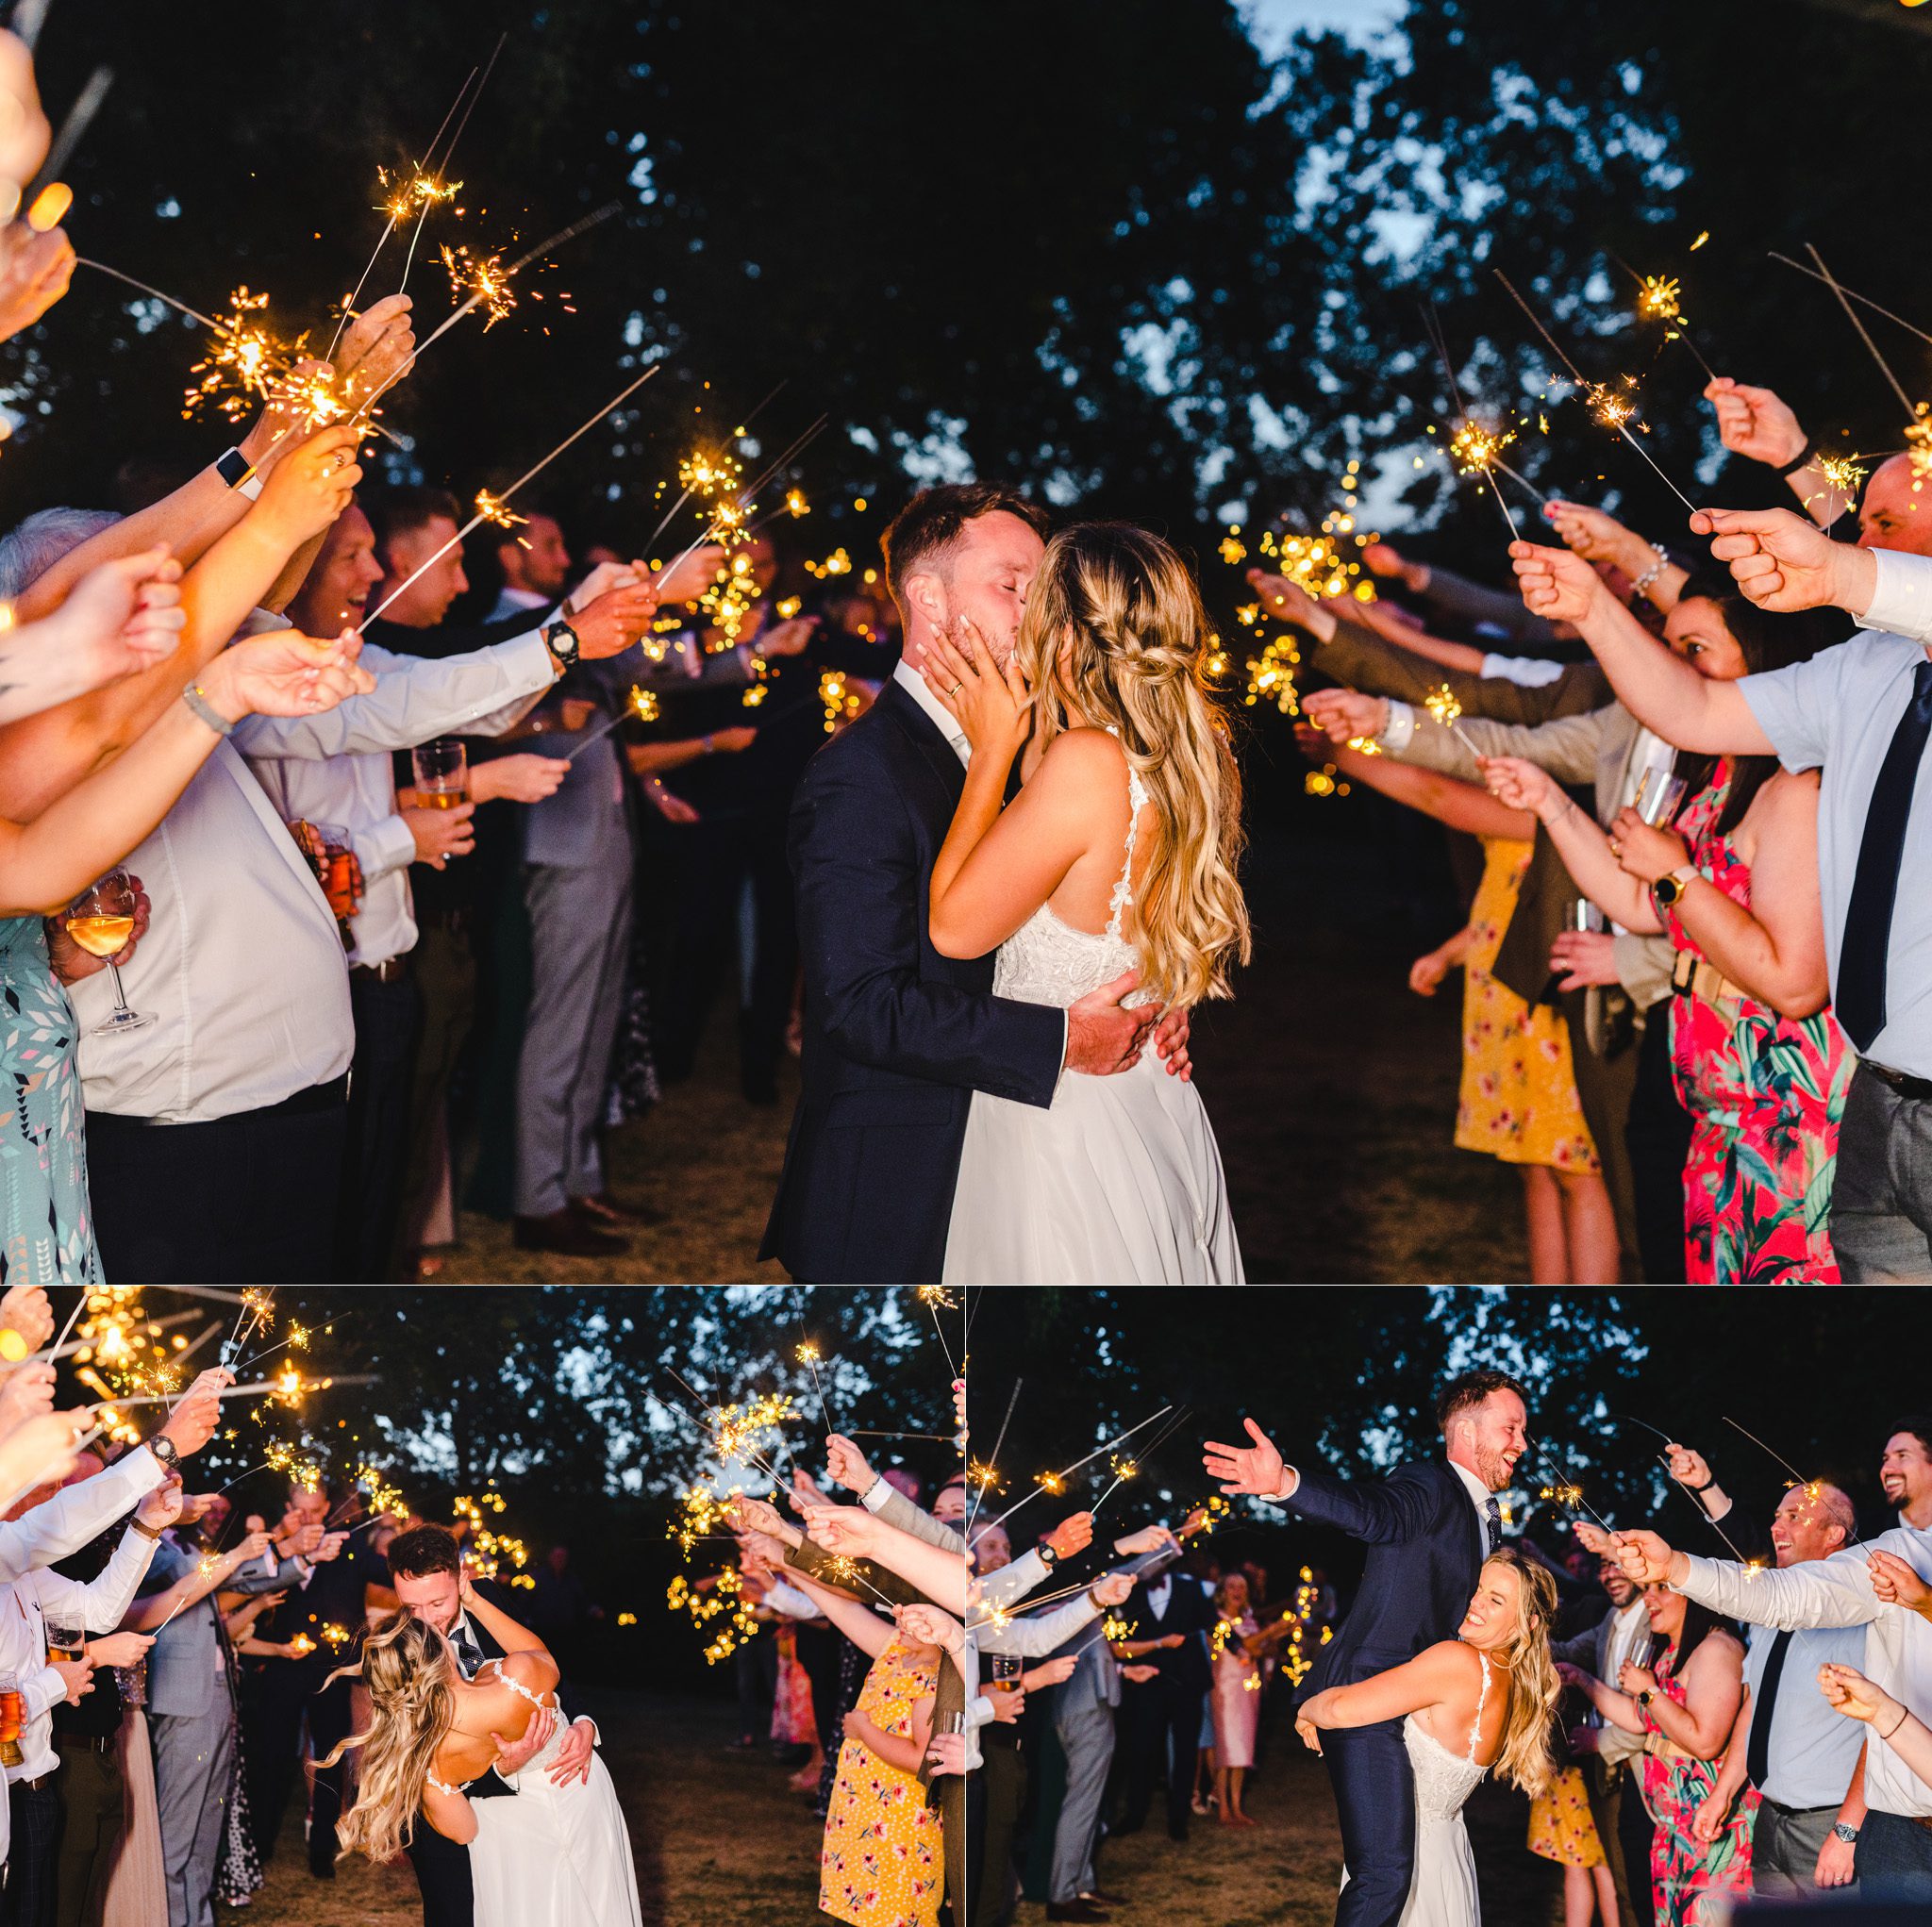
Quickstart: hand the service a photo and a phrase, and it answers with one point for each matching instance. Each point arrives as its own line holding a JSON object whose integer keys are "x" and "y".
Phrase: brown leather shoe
{"x": 606, "y": 1212}
{"x": 569, "y": 1235}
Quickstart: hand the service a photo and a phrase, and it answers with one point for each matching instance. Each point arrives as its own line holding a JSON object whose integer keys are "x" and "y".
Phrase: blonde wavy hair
{"x": 413, "y": 1682}
{"x": 1526, "y": 1760}
{"x": 1114, "y": 634}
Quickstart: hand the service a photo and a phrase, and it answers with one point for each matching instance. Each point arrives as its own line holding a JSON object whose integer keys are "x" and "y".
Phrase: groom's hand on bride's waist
{"x": 572, "y": 1761}
{"x": 512, "y": 1756}
{"x": 1103, "y": 1035}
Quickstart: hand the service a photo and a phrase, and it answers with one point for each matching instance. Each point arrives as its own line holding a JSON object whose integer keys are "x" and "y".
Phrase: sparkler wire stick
{"x": 1762, "y": 1447}
{"x": 1905, "y": 401}
{"x": 1066, "y": 1471}
{"x": 182, "y": 307}
{"x": 239, "y": 1391}
{"x": 73, "y": 1319}
{"x": 26, "y": 20}
{"x": 973, "y": 1511}
{"x": 476, "y": 521}
{"x": 1852, "y": 293}
{"x": 408, "y": 260}
{"x": 1134, "y": 1464}
{"x": 87, "y": 105}
{"x": 808, "y": 1353}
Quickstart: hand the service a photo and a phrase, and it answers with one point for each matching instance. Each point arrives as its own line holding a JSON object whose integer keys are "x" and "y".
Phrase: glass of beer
{"x": 13, "y": 1718}
{"x": 101, "y": 919}
{"x": 1006, "y": 1668}
{"x": 64, "y": 1641}
{"x": 332, "y": 856}
{"x": 442, "y": 773}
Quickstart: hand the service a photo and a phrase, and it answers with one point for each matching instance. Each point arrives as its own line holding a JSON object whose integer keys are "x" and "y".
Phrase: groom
{"x": 898, "y": 1037}
{"x": 1428, "y": 1527}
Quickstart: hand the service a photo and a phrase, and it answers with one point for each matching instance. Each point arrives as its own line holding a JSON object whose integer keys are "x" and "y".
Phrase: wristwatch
{"x": 239, "y": 473}
{"x": 1049, "y": 1553}
{"x": 1668, "y": 889}
{"x": 1840, "y": 1832}
{"x": 1648, "y": 1694}
{"x": 164, "y": 1450}
{"x": 561, "y": 641}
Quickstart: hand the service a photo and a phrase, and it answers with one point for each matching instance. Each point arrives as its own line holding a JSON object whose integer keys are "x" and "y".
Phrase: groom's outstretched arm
{"x": 859, "y": 893}
{"x": 1384, "y": 1512}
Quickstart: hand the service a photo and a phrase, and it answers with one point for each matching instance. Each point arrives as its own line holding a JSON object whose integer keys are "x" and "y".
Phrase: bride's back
{"x": 502, "y": 1699}
{"x": 1115, "y": 644}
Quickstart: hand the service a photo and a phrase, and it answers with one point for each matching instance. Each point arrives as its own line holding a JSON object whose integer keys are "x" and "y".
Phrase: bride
{"x": 551, "y": 1856}
{"x": 1486, "y": 1698}
{"x": 1117, "y": 855}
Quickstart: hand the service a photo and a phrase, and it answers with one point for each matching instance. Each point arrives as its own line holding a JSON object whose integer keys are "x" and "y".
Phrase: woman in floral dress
{"x": 1685, "y": 1704}
{"x": 1518, "y": 1101}
{"x": 1759, "y": 1062}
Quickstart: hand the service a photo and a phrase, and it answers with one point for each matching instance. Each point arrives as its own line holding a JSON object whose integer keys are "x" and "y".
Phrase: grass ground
{"x": 721, "y": 1842}
{"x": 1332, "y": 1086}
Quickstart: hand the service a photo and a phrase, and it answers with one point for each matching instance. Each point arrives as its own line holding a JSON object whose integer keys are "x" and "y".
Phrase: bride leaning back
{"x": 550, "y": 1856}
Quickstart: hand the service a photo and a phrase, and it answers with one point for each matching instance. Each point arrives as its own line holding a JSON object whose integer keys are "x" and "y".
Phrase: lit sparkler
{"x": 936, "y": 1298}
{"x": 1447, "y": 708}
{"x": 643, "y": 704}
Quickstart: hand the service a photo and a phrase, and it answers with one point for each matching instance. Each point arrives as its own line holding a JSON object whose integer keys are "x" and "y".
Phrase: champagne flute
{"x": 101, "y": 920}
{"x": 1583, "y": 915}
{"x": 1658, "y": 795}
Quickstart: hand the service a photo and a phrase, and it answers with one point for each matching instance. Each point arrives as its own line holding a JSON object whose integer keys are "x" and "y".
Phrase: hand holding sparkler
{"x": 1347, "y": 715}
{"x": 1557, "y": 585}
{"x": 119, "y": 1648}
{"x": 376, "y": 351}
{"x": 162, "y": 1507}
{"x": 26, "y": 1311}
{"x": 1897, "y": 1584}
{"x": 1073, "y": 1535}
{"x": 27, "y": 1394}
{"x": 1517, "y": 784}
{"x": 1149, "y": 1538}
{"x": 35, "y": 270}
{"x": 1849, "y": 1692}
{"x": 40, "y": 1451}
{"x": 192, "y": 1421}
{"x": 846, "y": 1466}
{"x": 307, "y": 491}
{"x": 283, "y": 672}
{"x": 929, "y": 1627}
{"x": 1756, "y": 423}
{"x": 1783, "y": 561}
{"x": 122, "y": 616}
{"x": 1599, "y": 537}
{"x": 1648, "y": 1558}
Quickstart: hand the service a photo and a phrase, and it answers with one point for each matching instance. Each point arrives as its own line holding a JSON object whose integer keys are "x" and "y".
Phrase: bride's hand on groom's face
{"x": 992, "y": 704}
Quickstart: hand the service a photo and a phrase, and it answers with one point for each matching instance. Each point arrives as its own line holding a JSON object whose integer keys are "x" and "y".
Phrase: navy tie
{"x": 1492, "y": 1513}
{"x": 1757, "y": 1743}
{"x": 1861, "y": 998}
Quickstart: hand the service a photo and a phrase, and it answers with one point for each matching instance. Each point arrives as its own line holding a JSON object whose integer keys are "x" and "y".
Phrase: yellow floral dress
{"x": 1560, "y": 1826}
{"x": 1519, "y": 1090}
{"x": 882, "y": 1863}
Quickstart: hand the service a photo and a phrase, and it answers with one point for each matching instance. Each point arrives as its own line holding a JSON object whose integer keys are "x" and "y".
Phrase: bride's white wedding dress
{"x": 553, "y": 1856}
{"x": 1442, "y": 1890}
{"x": 1121, "y": 1180}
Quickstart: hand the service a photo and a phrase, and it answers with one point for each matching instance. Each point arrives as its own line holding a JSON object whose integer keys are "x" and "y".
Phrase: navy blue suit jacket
{"x": 1425, "y": 1553}
{"x": 897, "y": 1037}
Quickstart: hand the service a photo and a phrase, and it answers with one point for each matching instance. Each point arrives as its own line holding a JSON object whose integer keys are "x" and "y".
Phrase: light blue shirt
{"x": 1813, "y": 1750}
{"x": 1837, "y": 714}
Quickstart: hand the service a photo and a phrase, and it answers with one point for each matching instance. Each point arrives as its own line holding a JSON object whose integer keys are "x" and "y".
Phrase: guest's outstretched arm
{"x": 1580, "y": 842}
{"x": 1658, "y": 688}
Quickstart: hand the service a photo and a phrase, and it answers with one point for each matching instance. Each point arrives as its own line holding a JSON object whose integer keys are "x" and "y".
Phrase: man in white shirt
{"x": 28, "y": 1607}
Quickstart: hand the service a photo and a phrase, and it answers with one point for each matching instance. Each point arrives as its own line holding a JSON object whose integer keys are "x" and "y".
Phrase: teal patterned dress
{"x": 46, "y": 1233}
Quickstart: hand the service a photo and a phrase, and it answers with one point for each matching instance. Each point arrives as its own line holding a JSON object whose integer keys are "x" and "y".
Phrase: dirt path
{"x": 1332, "y": 1087}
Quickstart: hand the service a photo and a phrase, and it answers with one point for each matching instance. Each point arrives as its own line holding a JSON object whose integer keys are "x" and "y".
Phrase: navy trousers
{"x": 1375, "y": 1792}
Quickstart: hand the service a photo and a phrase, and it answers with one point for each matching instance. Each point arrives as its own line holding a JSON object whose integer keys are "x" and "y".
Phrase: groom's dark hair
{"x": 1472, "y": 1388}
{"x": 423, "y": 1550}
{"x": 933, "y": 519}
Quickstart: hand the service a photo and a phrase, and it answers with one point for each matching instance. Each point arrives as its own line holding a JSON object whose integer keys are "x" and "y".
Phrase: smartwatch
{"x": 163, "y": 1448}
{"x": 1668, "y": 890}
{"x": 239, "y": 473}
{"x": 562, "y": 640}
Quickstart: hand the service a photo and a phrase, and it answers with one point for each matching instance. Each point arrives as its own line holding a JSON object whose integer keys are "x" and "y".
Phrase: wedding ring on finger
{"x": 956, "y": 689}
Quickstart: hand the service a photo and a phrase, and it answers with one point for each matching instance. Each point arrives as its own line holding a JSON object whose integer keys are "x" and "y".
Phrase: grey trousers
{"x": 1882, "y": 1206}
{"x": 1784, "y": 1842}
{"x": 580, "y": 943}
{"x": 1087, "y": 1739}
{"x": 193, "y": 1758}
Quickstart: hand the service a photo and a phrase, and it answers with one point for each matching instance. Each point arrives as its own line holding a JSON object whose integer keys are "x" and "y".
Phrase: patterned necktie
{"x": 1861, "y": 957}
{"x": 1757, "y": 1747}
{"x": 1493, "y": 1513}
{"x": 468, "y": 1654}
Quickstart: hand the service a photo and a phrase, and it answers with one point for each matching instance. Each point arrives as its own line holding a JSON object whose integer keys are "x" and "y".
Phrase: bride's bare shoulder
{"x": 1085, "y": 764}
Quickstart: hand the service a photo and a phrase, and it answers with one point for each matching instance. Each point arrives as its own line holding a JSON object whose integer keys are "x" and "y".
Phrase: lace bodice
{"x": 542, "y": 1701}
{"x": 1047, "y": 961}
{"x": 1445, "y": 1780}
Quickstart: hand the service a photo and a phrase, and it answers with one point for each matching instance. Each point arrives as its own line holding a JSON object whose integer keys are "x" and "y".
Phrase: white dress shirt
{"x": 1629, "y": 1640}
{"x": 1837, "y": 1592}
{"x": 416, "y": 699}
{"x": 1529, "y": 671}
{"x": 26, "y": 1606}
{"x": 75, "y": 1514}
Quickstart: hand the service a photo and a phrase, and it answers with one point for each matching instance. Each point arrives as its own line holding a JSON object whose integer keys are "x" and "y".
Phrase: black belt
{"x": 392, "y": 970}
{"x": 1777, "y": 1806}
{"x": 1917, "y": 1088}
{"x": 86, "y": 1742}
{"x": 318, "y": 1097}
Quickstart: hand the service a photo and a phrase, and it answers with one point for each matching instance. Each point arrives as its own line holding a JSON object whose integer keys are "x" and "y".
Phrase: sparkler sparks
{"x": 1447, "y": 708}
{"x": 491, "y": 508}
{"x": 481, "y": 279}
{"x": 724, "y": 1598}
{"x": 936, "y": 1298}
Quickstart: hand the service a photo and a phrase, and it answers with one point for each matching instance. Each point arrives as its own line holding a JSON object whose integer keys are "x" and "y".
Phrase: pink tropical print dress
{"x": 1683, "y": 1869}
{"x": 1766, "y": 1094}
{"x": 1518, "y": 1099}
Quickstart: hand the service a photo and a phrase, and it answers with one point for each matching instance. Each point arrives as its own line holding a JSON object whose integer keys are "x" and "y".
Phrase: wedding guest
{"x": 1860, "y": 714}
{"x": 1685, "y": 1704}
{"x": 1786, "y": 1743}
{"x": 1518, "y": 1099}
{"x": 1905, "y": 1473}
{"x": 1237, "y": 1648}
{"x": 1761, "y": 1065}
{"x": 1163, "y": 1715}
{"x": 1848, "y": 1692}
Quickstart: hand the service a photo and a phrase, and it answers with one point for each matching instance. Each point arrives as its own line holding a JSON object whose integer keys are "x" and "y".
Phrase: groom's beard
{"x": 1492, "y": 1469}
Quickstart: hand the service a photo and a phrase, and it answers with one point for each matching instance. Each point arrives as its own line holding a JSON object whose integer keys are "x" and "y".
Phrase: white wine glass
{"x": 101, "y": 920}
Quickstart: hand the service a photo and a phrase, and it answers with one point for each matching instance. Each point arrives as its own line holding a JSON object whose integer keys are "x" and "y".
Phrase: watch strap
{"x": 233, "y": 466}
{"x": 562, "y": 642}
